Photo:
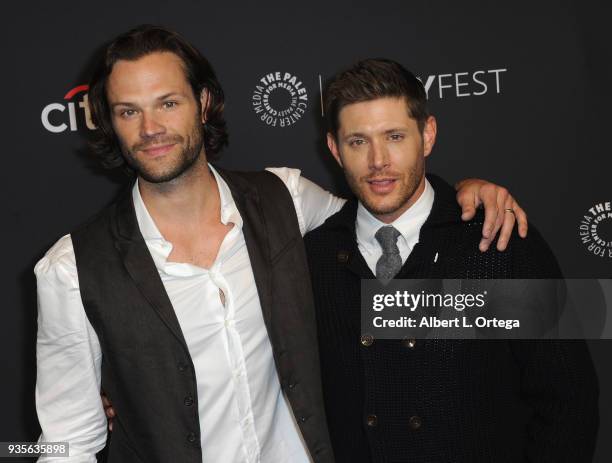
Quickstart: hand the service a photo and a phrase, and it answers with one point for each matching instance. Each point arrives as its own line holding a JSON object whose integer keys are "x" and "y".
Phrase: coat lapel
{"x": 141, "y": 267}
{"x": 347, "y": 252}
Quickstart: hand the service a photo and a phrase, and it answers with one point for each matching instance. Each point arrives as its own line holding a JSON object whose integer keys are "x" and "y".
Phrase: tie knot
{"x": 387, "y": 237}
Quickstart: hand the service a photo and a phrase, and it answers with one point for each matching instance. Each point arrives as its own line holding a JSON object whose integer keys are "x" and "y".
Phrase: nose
{"x": 378, "y": 156}
{"x": 150, "y": 126}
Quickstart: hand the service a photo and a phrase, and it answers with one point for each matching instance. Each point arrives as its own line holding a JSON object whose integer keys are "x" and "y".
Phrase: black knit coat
{"x": 441, "y": 401}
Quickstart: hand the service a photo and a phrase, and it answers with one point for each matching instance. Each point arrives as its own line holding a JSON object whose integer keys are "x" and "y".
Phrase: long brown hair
{"x": 135, "y": 44}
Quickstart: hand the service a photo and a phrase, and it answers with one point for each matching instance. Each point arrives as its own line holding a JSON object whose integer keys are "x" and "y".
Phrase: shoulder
{"x": 532, "y": 256}
{"x": 255, "y": 176}
{"x": 103, "y": 223}
{"x": 60, "y": 261}
{"x": 101, "y": 219}
{"x": 58, "y": 264}
{"x": 337, "y": 229}
{"x": 264, "y": 182}
{"x": 289, "y": 176}
{"x": 529, "y": 257}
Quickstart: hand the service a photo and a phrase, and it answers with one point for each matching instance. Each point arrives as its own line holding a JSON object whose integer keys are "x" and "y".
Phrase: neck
{"x": 394, "y": 215}
{"x": 190, "y": 199}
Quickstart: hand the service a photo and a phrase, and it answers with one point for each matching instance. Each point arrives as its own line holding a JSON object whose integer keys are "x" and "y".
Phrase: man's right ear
{"x": 204, "y": 101}
{"x": 333, "y": 148}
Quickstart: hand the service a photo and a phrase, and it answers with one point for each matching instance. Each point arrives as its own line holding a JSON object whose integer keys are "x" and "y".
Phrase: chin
{"x": 385, "y": 207}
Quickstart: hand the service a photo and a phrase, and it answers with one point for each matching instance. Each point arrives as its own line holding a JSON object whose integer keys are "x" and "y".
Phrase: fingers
{"x": 521, "y": 217}
{"x": 493, "y": 199}
{"x": 108, "y": 407}
{"x": 467, "y": 197}
{"x": 108, "y": 411}
{"x": 497, "y": 218}
{"x": 489, "y": 197}
{"x": 509, "y": 215}
{"x": 467, "y": 201}
{"x": 508, "y": 224}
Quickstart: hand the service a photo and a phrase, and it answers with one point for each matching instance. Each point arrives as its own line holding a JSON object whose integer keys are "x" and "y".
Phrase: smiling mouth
{"x": 157, "y": 150}
{"x": 381, "y": 181}
{"x": 381, "y": 185}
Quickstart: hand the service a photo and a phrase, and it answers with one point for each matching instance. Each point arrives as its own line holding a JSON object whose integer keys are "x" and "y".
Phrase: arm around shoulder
{"x": 313, "y": 204}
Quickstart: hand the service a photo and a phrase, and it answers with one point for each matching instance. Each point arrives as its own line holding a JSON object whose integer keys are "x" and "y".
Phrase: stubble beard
{"x": 407, "y": 189}
{"x": 191, "y": 149}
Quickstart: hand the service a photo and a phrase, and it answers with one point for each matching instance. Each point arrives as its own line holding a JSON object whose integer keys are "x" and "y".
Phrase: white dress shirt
{"x": 244, "y": 416}
{"x": 408, "y": 224}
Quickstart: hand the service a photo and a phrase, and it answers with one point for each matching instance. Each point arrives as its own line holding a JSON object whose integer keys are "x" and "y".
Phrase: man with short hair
{"x": 188, "y": 300}
{"x": 428, "y": 400}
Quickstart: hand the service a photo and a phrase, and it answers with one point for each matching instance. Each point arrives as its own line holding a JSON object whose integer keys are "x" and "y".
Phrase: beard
{"x": 175, "y": 165}
{"x": 407, "y": 184}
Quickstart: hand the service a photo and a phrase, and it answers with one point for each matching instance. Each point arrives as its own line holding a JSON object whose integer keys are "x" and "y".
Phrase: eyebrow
{"x": 168, "y": 95}
{"x": 159, "y": 98}
{"x": 386, "y": 132}
{"x": 354, "y": 134}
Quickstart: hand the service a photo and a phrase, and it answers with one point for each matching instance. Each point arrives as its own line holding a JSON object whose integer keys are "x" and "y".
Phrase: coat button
{"x": 188, "y": 401}
{"x": 191, "y": 437}
{"x": 292, "y": 385}
{"x": 372, "y": 420}
{"x": 182, "y": 366}
{"x": 415, "y": 422}
{"x": 409, "y": 343}
{"x": 342, "y": 257}
{"x": 367, "y": 340}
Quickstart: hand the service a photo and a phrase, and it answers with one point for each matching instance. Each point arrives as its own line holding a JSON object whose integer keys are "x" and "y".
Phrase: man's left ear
{"x": 429, "y": 135}
{"x": 204, "y": 105}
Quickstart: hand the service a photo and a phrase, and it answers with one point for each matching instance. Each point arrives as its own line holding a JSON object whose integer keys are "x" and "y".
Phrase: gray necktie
{"x": 390, "y": 262}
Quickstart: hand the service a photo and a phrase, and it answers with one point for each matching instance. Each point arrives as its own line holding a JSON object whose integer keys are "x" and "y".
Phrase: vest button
{"x": 415, "y": 422}
{"x": 367, "y": 340}
{"x": 409, "y": 343}
{"x": 188, "y": 401}
{"x": 342, "y": 257}
{"x": 372, "y": 421}
{"x": 191, "y": 437}
{"x": 182, "y": 366}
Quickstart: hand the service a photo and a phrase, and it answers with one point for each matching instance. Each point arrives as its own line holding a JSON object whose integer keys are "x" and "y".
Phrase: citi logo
{"x": 55, "y": 119}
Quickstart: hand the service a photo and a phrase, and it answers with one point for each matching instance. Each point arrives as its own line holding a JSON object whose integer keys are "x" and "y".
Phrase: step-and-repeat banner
{"x": 521, "y": 92}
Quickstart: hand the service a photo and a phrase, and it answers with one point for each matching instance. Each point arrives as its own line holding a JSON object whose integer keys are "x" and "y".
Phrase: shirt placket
{"x": 242, "y": 394}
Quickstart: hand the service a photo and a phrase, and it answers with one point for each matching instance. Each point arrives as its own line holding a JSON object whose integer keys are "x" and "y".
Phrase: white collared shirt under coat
{"x": 244, "y": 415}
{"x": 408, "y": 224}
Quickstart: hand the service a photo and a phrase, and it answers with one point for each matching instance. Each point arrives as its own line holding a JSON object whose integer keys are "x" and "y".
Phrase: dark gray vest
{"x": 147, "y": 371}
